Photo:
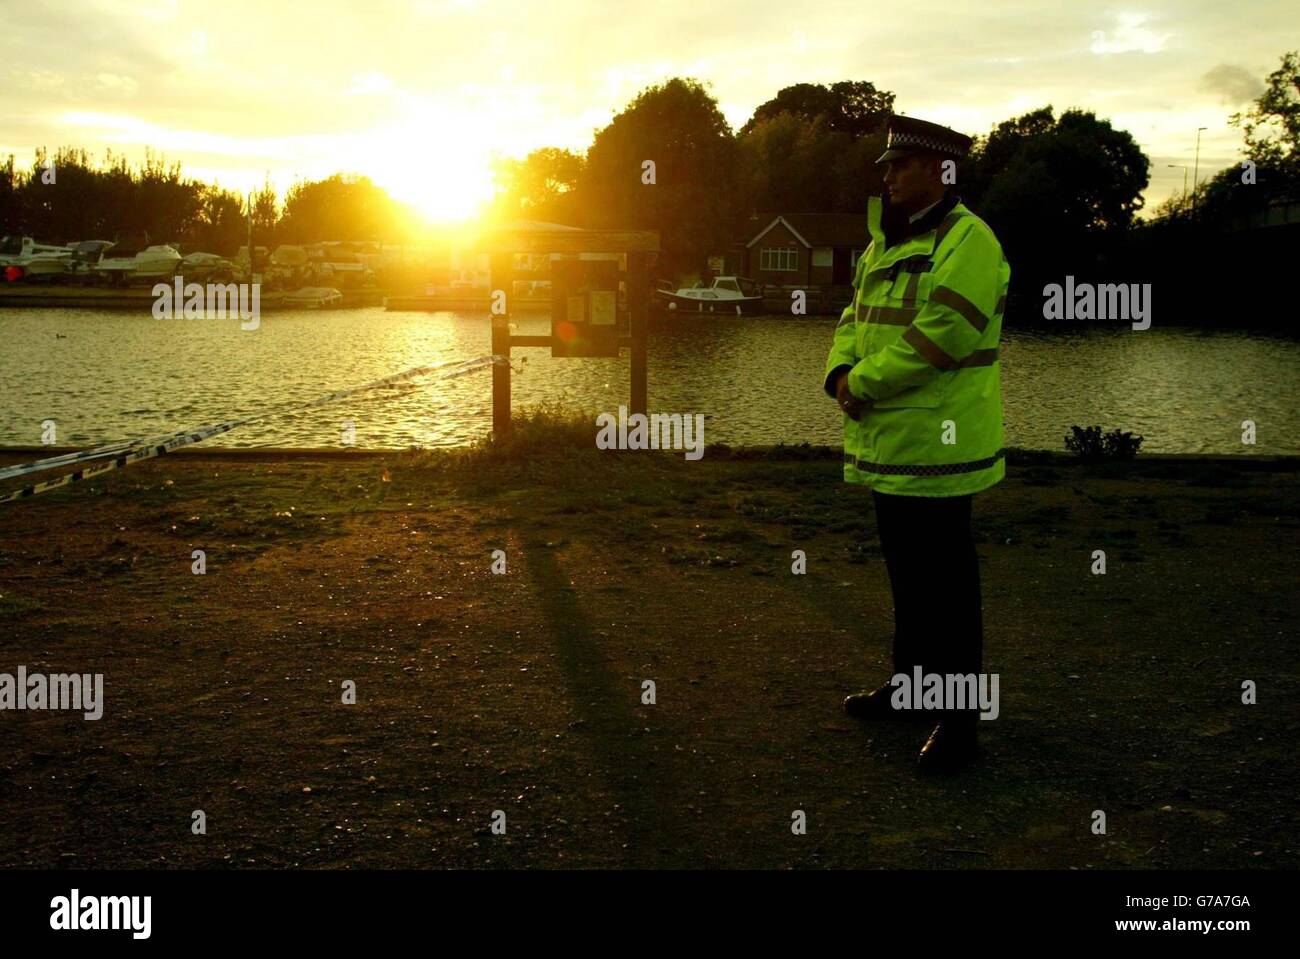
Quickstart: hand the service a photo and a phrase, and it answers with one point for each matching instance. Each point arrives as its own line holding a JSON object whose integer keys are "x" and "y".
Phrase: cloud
{"x": 191, "y": 77}
{"x": 1129, "y": 35}
{"x": 1233, "y": 84}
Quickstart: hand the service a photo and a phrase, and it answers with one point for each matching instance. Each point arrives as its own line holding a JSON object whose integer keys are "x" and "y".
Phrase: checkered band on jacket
{"x": 936, "y": 469}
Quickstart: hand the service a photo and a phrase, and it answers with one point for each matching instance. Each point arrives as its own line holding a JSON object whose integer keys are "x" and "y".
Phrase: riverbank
{"x": 523, "y": 692}
{"x": 140, "y": 298}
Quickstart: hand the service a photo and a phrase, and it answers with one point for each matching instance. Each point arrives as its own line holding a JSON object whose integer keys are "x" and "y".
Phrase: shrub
{"x": 1092, "y": 446}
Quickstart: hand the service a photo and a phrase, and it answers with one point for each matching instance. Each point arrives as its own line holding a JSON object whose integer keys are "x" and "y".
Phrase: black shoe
{"x": 876, "y": 705}
{"x": 952, "y": 746}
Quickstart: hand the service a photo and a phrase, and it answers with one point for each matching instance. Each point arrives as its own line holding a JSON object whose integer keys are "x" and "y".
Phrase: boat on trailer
{"x": 127, "y": 262}
{"x": 22, "y": 257}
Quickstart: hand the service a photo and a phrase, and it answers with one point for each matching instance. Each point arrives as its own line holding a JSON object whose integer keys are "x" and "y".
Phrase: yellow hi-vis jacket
{"x": 920, "y": 341}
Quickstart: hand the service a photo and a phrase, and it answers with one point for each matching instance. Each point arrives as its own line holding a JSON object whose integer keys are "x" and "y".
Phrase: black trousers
{"x": 935, "y": 578}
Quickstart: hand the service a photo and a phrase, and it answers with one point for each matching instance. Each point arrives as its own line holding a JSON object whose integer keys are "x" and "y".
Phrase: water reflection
{"x": 756, "y": 379}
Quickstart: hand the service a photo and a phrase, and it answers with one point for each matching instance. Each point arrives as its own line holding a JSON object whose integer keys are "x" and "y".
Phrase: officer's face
{"x": 912, "y": 181}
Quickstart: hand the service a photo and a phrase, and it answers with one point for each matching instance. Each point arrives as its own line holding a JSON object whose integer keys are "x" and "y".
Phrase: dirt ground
{"x": 522, "y": 692}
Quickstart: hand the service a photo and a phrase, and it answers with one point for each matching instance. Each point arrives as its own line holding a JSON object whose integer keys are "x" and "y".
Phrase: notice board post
{"x": 600, "y": 300}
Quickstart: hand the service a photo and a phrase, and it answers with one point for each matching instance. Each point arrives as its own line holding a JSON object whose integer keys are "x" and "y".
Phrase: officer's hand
{"x": 850, "y": 404}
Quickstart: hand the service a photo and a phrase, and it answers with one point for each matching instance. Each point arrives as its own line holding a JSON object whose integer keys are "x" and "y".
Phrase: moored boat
{"x": 727, "y": 294}
{"x": 15, "y": 248}
{"x": 313, "y": 298}
{"x": 201, "y": 267}
{"x": 126, "y": 263}
{"x": 21, "y": 257}
{"x": 46, "y": 264}
{"x": 86, "y": 256}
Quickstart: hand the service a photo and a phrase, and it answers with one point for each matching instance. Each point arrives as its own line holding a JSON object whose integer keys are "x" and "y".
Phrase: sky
{"x": 421, "y": 94}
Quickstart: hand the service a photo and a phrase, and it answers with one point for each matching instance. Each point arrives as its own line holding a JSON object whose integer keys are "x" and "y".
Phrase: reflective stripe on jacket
{"x": 920, "y": 341}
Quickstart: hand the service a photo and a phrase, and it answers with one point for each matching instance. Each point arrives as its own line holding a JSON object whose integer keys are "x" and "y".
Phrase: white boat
{"x": 201, "y": 267}
{"x": 86, "y": 256}
{"x": 290, "y": 257}
{"x": 727, "y": 294}
{"x": 313, "y": 298}
{"x": 156, "y": 261}
{"x": 341, "y": 263}
{"x": 125, "y": 264}
{"x": 44, "y": 264}
{"x": 21, "y": 257}
{"x": 15, "y": 248}
{"x": 288, "y": 268}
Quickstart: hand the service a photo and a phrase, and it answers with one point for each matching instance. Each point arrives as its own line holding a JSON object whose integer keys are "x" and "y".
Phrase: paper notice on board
{"x": 602, "y": 307}
{"x": 574, "y": 311}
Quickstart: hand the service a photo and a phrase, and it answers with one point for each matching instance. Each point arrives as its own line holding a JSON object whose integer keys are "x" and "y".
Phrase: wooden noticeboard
{"x": 584, "y": 305}
{"x": 600, "y": 299}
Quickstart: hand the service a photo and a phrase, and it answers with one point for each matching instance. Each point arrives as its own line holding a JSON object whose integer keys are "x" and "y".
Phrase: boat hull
{"x": 675, "y": 303}
{"x": 151, "y": 263}
{"x": 313, "y": 298}
{"x": 44, "y": 269}
{"x": 155, "y": 269}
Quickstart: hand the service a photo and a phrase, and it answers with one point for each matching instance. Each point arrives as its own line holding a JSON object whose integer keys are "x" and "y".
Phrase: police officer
{"x": 914, "y": 370}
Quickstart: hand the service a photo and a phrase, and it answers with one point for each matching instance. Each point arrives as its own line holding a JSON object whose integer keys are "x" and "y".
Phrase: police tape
{"x": 98, "y": 452}
{"x": 127, "y": 452}
{"x": 109, "y": 449}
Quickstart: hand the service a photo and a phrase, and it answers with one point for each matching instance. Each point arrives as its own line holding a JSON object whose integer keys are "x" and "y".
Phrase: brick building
{"x": 798, "y": 249}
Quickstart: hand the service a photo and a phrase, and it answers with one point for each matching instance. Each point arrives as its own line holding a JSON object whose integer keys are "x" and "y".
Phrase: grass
{"x": 522, "y": 692}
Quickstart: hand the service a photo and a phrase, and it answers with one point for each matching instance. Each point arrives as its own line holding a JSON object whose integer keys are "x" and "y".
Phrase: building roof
{"x": 817, "y": 229}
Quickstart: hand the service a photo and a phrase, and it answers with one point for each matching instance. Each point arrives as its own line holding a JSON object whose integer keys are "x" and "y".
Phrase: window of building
{"x": 780, "y": 258}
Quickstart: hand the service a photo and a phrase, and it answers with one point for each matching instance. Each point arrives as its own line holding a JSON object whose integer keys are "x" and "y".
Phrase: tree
{"x": 265, "y": 218}
{"x": 993, "y": 154}
{"x": 788, "y": 162}
{"x": 852, "y": 107}
{"x": 676, "y": 135}
{"x": 167, "y": 204}
{"x": 221, "y": 226}
{"x": 342, "y": 207}
{"x": 12, "y": 216}
{"x": 539, "y": 187}
{"x": 1074, "y": 179}
{"x": 1271, "y": 129}
{"x": 66, "y": 197}
{"x": 857, "y": 175}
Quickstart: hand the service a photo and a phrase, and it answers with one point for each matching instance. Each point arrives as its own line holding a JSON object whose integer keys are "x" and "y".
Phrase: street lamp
{"x": 1183, "y": 167}
{"x": 1196, "y": 172}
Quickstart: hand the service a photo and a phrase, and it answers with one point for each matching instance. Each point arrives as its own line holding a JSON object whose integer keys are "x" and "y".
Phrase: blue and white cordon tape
{"x": 132, "y": 451}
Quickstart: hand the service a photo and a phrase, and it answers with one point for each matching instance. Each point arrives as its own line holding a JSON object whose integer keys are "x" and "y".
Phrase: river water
{"x": 104, "y": 375}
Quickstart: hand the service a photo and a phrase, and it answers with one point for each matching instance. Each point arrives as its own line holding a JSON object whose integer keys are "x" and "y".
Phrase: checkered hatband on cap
{"x": 920, "y": 141}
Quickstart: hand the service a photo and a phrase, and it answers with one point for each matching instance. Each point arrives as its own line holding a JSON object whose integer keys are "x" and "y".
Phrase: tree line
{"x": 67, "y": 196}
{"x": 1062, "y": 190}
{"x": 813, "y": 149}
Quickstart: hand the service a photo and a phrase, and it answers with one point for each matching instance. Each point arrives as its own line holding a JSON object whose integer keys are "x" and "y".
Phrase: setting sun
{"x": 419, "y": 165}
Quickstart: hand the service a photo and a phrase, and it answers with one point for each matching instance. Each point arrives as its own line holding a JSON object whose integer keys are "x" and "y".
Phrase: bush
{"x": 1092, "y": 446}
